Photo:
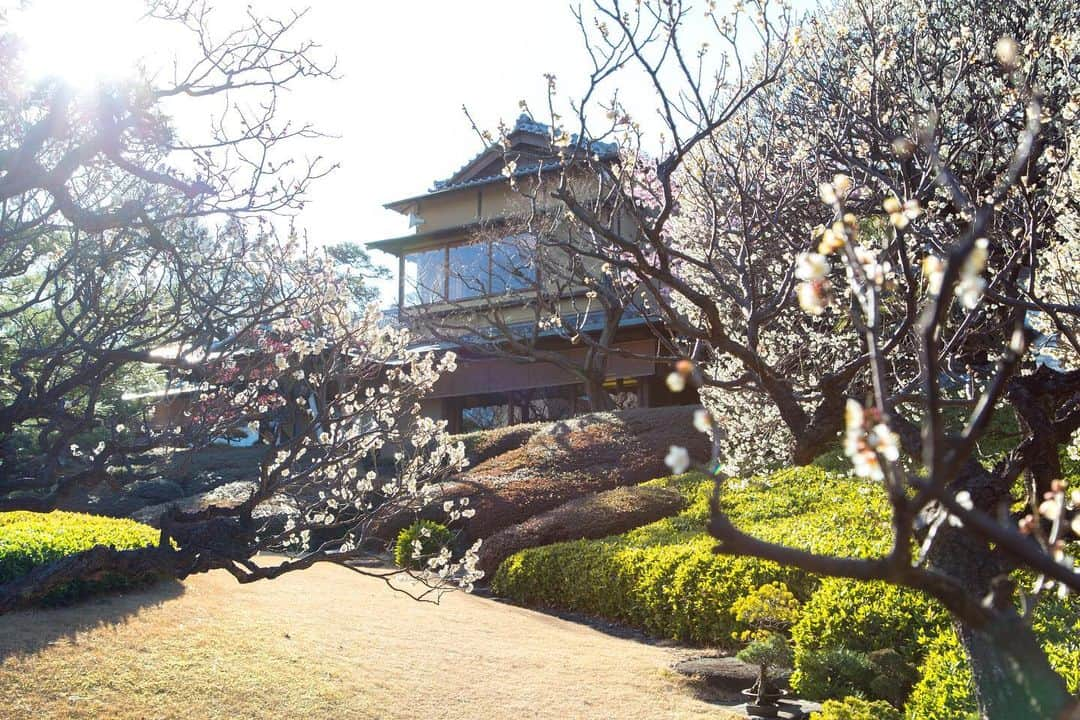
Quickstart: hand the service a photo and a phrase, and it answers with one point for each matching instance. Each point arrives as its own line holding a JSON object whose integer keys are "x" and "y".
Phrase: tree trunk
{"x": 1012, "y": 675}
{"x": 599, "y": 399}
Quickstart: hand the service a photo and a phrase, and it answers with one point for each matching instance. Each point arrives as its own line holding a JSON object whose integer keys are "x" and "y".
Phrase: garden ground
{"x": 325, "y": 642}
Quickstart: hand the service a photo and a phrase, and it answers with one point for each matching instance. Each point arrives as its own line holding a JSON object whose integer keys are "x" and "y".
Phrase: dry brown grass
{"x": 324, "y": 643}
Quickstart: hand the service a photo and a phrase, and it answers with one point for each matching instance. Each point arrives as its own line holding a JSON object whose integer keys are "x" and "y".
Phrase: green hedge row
{"x": 665, "y": 578}
{"x": 870, "y": 640}
{"x": 856, "y": 708}
{"x": 944, "y": 691}
{"x": 864, "y": 639}
{"x": 28, "y": 540}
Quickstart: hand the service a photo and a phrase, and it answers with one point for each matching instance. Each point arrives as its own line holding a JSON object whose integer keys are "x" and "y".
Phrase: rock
{"x": 726, "y": 673}
{"x": 156, "y": 490}
{"x": 594, "y": 516}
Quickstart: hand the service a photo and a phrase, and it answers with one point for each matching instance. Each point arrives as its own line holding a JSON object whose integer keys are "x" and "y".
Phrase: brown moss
{"x": 593, "y": 516}
{"x": 560, "y": 461}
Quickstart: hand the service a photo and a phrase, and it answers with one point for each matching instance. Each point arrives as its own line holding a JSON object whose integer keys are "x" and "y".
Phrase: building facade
{"x": 470, "y": 280}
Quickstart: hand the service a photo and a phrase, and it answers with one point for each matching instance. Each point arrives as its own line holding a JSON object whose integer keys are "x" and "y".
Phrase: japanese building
{"x": 466, "y": 251}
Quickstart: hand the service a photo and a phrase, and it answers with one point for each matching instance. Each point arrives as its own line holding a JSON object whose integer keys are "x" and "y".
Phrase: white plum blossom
{"x": 971, "y": 285}
{"x": 866, "y": 446}
{"x": 678, "y": 459}
{"x": 811, "y": 266}
{"x": 702, "y": 421}
{"x": 676, "y": 382}
{"x": 933, "y": 269}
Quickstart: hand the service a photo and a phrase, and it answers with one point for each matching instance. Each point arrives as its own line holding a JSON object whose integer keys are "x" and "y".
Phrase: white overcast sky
{"x": 406, "y": 67}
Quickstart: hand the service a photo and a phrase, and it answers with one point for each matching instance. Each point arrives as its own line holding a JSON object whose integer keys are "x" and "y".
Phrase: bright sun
{"x": 82, "y": 42}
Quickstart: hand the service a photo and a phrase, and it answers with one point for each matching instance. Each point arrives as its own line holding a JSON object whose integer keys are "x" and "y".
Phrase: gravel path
{"x": 326, "y": 643}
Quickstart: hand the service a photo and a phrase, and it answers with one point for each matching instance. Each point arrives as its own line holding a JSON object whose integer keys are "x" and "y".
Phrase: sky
{"x": 406, "y": 69}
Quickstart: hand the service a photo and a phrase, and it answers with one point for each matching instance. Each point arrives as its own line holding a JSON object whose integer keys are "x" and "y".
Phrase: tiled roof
{"x": 524, "y": 124}
{"x": 527, "y": 124}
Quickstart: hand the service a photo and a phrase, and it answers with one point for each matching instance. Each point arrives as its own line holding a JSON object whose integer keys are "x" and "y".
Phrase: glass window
{"x": 469, "y": 271}
{"x": 513, "y": 265}
{"x": 485, "y": 417}
{"x": 425, "y": 276}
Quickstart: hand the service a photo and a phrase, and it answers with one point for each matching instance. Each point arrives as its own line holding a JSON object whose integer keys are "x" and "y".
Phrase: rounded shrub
{"x": 855, "y": 708}
{"x": 846, "y": 627}
{"x": 29, "y": 540}
{"x": 945, "y": 690}
{"x": 419, "y": 542}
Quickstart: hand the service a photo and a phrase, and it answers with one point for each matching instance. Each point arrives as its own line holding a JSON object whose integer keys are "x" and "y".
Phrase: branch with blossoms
{"x": 337, "y": 399}
{"x": 931, "y": 301}
{"x": 107, "y": 275}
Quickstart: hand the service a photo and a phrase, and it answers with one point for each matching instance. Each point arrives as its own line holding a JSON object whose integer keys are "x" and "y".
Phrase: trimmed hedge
{"x": 872, "y": 640}
{"x": 1057, "y": 622}
{"x": 849, "y": 629}
{"x": 945, "y": 691}
{"x": 665, "y": 578}
{"x": 855, "y": 708}
{"x": 28, "y": 540}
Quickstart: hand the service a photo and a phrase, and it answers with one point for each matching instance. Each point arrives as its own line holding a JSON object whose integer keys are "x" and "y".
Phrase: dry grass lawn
{"x": 324, "y": 643}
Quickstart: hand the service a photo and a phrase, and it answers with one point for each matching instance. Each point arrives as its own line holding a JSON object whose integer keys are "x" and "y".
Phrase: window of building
{"x": 425, "y": 276}
{"x": 469, "y": 271}
{"x": 483, "y": 417}
{"x": 513, "y": 263}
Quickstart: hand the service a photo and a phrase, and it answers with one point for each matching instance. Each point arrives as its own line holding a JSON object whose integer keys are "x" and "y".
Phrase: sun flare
{"x": 81, "y": 42}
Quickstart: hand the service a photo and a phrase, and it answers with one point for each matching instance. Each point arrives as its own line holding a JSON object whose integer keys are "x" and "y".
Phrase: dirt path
{"x": 324, "y": 643}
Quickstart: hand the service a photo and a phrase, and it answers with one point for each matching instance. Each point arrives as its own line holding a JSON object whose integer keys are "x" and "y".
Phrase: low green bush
{"x": 855, "y": 708}
{"x": 28, "y": 540}
{"x": 665, "y": 577}
{"x": 831, "y": 673}
{"x": 944, "y": 692}
{"x": 843, "y": 631}
{"x": 432, "y": 538}
{"x": 945, "y": 689}
{"x": 1057, "y": 622}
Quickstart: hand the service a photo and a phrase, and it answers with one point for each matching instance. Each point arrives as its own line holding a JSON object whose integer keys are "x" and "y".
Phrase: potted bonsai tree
{"x": 768, "y": 613}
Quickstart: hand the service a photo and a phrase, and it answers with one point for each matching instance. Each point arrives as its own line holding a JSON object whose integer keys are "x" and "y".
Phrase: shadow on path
{"x": 25, "y": 632}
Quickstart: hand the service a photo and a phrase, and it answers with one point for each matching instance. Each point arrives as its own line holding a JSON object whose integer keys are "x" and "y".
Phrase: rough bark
{"x": 1012, "y": 675}
{"x": 599, "y": 399}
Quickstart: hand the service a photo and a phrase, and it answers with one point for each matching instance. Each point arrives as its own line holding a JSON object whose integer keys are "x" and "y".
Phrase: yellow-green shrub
{"x": 29, "y": 539}
{"x": 854, "y": 708}
{"x": 945, "y": 690}
{"x": 845, "y": 623}
{"x": 1057, "y": 623}
{"x": 665, "y": 578}
{"x": 432, "y": 536}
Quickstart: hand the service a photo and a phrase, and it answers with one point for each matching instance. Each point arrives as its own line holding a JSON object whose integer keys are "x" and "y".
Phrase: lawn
{"x": 324, "y": 643}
